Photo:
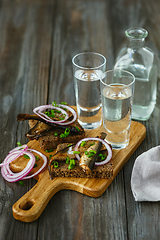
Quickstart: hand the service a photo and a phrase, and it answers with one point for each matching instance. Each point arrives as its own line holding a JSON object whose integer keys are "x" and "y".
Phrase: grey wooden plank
{"x": 116, "y": 27}
{"x": 38, "y": 40}
{"x": 81, "y": 26}
{"x": 142, "y": 218}
{"x": 24, "y": 58}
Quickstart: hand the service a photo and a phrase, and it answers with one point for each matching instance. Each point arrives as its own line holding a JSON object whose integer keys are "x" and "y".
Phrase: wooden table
{"x": 38, "y": 39}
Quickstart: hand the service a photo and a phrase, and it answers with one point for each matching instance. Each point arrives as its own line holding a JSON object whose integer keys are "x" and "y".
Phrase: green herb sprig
{"x": 55, "y": 164}
{"x": 70, "y": 162}
{"x": 66, "y": 133}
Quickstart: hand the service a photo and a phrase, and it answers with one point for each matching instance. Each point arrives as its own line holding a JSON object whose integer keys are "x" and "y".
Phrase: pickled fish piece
{"x": 74, "y": 127}
{"x": 90, "y": 156}
{"x": 40, "y": 129}
{"x": 63, "y": 151}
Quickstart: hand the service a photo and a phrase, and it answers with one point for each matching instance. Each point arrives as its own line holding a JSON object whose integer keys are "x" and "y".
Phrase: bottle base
{"x": 142, "y": 113}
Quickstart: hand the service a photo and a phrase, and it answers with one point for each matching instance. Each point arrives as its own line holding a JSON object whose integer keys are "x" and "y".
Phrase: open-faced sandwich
{"x": 53, "y": 124}
{"x": 68, "y": 152}
{"x": 89, "y": 158}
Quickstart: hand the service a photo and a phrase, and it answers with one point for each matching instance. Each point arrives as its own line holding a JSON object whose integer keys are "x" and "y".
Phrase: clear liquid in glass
{"x": 117, "y": 115}
{"x": 88, "y": 98}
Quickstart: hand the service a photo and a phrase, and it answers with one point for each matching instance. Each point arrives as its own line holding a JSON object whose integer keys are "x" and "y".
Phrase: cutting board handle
{"x": 30, "y": 206}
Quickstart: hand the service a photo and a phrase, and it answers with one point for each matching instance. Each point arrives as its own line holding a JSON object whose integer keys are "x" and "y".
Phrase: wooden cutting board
{"x": 30, "y": 206}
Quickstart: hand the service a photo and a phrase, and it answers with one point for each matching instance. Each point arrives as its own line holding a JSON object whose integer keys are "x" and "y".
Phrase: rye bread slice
{"x": 103, "y": 171}
{"x": 50, "y": 140}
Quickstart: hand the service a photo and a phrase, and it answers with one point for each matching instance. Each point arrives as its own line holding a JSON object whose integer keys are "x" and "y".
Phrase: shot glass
{"x": 117, "y": 89}
{"x": 87, "y": 69}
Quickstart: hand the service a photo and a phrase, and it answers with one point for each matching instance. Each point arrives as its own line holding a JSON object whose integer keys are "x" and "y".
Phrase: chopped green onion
{"x": 55, "y": 134}
{"x": 61, "y": 118}
{"x": 72, "y": 161}
{"x": 50, "y": 156}
{"x": 67, "y": 160}
{"x": 26, "y": 156}
{"x": 57, "y": 111}
{"x": 92, "y": 152}
{"x": 64, "y": 103}
{"x": 56, "y": 164}
{"x": 54, "y": 104}
{"x": 21, "y": 183}
{"x": 67, "y": 131}
{"x": 52, "y": 111}
{"x": 50, "y": 114}
{"x": 70, "y": 166}
{"x": 76, "y": 152}
{"x": 62, "y": 135}
{"x": 86, "y": 152}
{"x": 51, "y": 150}
{"x": 83, "y": 143}
{"x": 102, "y": 156}
{"x": 69, "y": 145}
{"x": 35, "y": 165}
{"x": 77, "y": 128}
{"x": 19, "y": 144}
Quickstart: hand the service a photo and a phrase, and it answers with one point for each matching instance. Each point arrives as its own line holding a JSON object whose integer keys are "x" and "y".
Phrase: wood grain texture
{"x": 29, "y": 207}
{"x": 37, "y": 41}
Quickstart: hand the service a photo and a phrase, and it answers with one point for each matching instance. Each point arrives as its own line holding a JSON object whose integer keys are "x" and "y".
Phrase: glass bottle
{"x": 141, "y": 61}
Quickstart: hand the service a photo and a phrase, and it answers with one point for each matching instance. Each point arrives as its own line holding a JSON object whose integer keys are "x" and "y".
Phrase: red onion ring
{"x": 23, "y": 148}
{"x": 10, "y": 176}
{"x": 72, "y": 111}
{"x": 13, "y": 177}
{"x": 109, "y": 156}
{"x": 43, "y": 166}
{"x": 38, "y": 111}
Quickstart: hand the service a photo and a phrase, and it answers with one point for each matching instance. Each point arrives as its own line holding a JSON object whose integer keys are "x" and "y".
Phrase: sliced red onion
{"x": 12, "y": 157}
{"x": 72, "y": 111}
{"x": 38, "y": 111}
{"x": 43, "y": 166}
{"x": 109, "y": 156}
{"x": 9, "y": 176}
{"x": 24, "y": 146}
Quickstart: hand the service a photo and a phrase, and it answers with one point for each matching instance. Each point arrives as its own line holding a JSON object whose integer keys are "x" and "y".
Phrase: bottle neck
{"x": 136, "y": 37}
{"x": 134, "y": 43}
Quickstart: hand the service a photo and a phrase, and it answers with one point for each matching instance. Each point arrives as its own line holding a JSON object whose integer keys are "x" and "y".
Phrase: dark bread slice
{"x": 50, "y": 141}
{"x": 103, "y": 171}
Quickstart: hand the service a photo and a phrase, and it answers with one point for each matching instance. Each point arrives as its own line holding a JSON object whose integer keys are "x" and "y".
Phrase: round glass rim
{"x": 117, "y": 70}
{"x": 87, "y": 68}
{"x": 143, "y": 33}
